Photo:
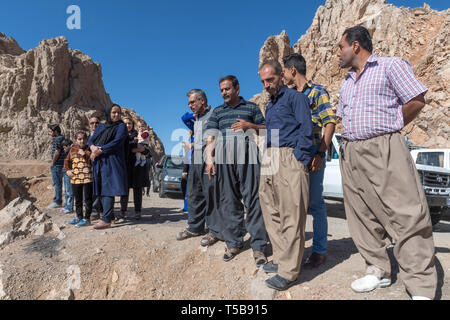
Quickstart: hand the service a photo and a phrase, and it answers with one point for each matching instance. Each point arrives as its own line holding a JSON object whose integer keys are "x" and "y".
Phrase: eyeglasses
{"x": 94, "y": 122}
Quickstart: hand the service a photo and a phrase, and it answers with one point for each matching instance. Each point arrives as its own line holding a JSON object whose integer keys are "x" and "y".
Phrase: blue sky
{"x": 153, "y": 52}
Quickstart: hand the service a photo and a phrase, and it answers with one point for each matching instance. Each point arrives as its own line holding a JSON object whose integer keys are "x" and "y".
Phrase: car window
{"x": 174, "y": 163}
{"x": 435, "y": 159}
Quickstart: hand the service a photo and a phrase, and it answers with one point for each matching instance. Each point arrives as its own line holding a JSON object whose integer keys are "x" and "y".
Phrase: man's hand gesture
{"x": 241, "y": 125}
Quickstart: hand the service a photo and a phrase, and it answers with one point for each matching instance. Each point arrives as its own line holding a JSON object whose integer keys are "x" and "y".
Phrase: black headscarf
{"x": 109, "y": 131}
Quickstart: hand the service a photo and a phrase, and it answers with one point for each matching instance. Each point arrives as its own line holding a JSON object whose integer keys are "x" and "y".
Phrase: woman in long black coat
{"x": 109, "y": 165}
{"x": 137, "y": 176}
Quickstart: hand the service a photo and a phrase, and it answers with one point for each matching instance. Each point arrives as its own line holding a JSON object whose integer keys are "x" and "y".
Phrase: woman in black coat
{"x": 109, "y": 168}
{"x": 137, "y": 175}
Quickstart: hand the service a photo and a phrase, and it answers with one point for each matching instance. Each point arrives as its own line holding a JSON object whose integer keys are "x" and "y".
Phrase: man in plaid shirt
{"x": 323, "y": 118}
{"x": 384, "y": 199}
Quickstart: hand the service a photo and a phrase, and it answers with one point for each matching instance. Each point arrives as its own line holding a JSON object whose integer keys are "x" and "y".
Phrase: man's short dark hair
{"x": 55, "y": 127}
{"x": 360, "y": 34}
{"x": 198, "y": 93}
{"x": 297, "y": 61}
{"x": 275, "y": 64}
{"x": 231, "y": 78}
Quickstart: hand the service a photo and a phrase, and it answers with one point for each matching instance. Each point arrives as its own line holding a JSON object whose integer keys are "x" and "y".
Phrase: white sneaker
{"x": 369, "y": 283}
{"x": 420, "y": 298}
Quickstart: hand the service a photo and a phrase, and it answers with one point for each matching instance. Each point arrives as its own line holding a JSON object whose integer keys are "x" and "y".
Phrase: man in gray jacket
{"x": 200, "y": 189}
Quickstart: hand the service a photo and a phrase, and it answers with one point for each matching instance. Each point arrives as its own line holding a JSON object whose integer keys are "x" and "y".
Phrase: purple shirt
{"x": 371, "y": 105}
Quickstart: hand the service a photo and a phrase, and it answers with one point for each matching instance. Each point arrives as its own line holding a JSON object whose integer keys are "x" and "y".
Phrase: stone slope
{"x": 48, "y": 84}
{"x": 420, "y": 35}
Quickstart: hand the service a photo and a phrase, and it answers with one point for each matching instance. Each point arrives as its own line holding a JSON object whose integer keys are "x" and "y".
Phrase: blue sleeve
{"x": 58, "y": 144}
{"x": 213, "y": 121}
{"x": 119, "y": 139}
{"x": 300, "y": 104}
{"x": 188, "y": 119}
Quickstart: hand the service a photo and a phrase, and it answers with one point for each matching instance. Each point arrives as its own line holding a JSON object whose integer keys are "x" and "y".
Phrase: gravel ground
{"x": 143, "y": 260}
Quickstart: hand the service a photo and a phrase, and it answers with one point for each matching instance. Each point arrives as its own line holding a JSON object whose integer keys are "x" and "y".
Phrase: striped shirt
{"x": 371, "y": 105}
{"x": 57, "y": 146}
{"x": 224, "y": 116}
{"x": 321, "y": 111}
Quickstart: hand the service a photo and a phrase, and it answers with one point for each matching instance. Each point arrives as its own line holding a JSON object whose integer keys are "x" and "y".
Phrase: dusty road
{"x": 143, "y": 260}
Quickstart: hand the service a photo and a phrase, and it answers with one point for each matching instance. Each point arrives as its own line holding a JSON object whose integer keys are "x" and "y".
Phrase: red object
{"x": 144, "y": 135}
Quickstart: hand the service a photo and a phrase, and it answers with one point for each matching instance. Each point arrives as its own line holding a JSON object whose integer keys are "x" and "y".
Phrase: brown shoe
{"x": 101, "y": 225}
{"x": 231, "y": 253}
{"x": 314, "y": 260}
{"x": 185, "y": 234}
{"x": 260, "y": 258}
{"x": 208, "y": 240}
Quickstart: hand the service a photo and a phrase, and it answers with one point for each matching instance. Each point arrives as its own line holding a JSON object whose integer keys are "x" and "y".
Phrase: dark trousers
{"x": 234, "y": 183}
{"x": 183, "y": 187}
{"x": 97, "y": 202}
{"x": 81, "y": 191}
{"x": 108, "y": 208}
{"x": 137, "y": 197}
{"x": 201, "y": 202}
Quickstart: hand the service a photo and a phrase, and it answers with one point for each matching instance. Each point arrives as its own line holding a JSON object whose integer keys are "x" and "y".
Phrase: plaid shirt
{"x": 321, "y": 110}
{"x": 371, "y": 105}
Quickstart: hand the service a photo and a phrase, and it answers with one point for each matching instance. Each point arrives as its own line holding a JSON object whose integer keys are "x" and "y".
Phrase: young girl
{"x": 78, "y": 167}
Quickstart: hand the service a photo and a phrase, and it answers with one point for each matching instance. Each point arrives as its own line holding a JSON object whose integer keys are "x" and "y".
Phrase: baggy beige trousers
{"x": 284, "y": 197}
{"x": 384, "y": 200}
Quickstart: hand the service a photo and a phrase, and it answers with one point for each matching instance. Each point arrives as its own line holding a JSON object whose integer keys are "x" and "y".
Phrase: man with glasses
{"x": 94, "y": 122}
{"x": 200, "y": 189}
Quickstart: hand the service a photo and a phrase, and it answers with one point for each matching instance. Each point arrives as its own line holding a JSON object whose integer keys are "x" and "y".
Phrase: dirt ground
{"x": 143, "y": 260}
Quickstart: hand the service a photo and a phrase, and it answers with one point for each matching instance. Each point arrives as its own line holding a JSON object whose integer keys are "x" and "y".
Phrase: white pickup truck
{"x": 433, "y": 166}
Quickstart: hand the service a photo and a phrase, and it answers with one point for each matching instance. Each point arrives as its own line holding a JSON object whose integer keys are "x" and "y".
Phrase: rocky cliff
{"x": 421, "y": 35}
{"x": 48, "y": 84}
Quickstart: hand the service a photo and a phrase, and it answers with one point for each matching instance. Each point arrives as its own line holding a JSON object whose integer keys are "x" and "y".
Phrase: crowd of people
{"x": 232, "y": 191}
{"x": 104, "y": 163}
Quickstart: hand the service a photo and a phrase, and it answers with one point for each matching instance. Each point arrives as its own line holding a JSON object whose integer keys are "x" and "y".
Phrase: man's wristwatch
{"x": 321, "y": 154}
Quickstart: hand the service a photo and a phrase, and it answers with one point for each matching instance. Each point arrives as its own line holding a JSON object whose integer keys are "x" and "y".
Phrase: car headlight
{"x": 169, "y": 178}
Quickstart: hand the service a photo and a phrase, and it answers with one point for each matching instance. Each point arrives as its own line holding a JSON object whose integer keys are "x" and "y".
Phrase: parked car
{"x": 434, "y": 172}
{"x": 171, "y": 169}
{"x": 432, "y": 157}
{"x": 431, "y": 166}
{"x": 155, "y": 175}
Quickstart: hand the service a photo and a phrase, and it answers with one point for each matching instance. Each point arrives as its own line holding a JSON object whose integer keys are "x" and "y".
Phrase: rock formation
{"x": 420, "y": 35}
{"x": 21, "y": 219}
{"x": 7, "y": 192}
{"x": 48, "y": 84}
